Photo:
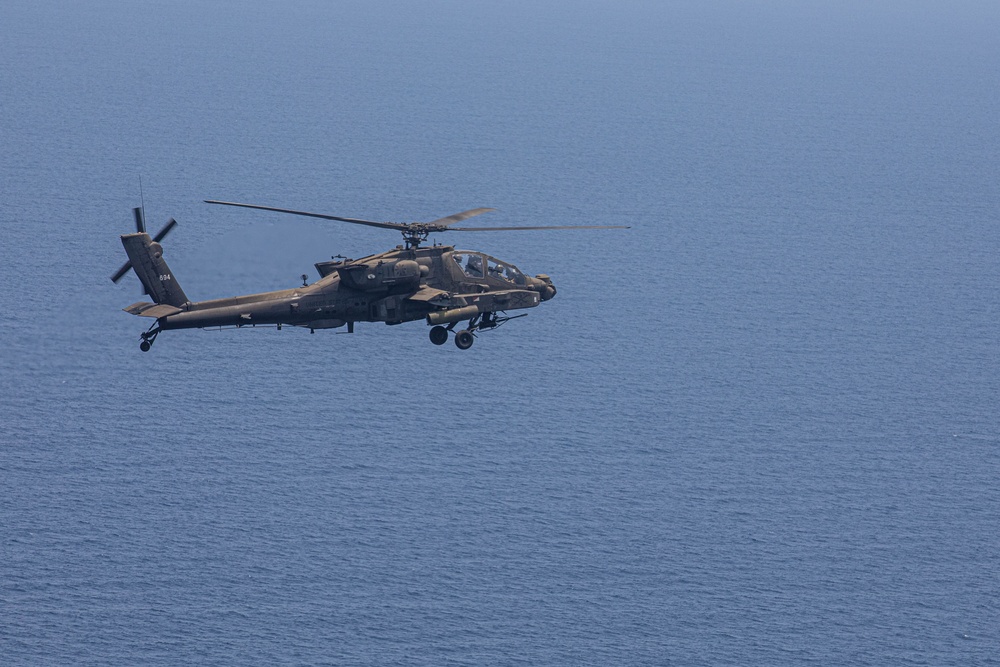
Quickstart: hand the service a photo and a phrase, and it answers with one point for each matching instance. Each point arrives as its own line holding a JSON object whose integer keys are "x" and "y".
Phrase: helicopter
{"x": 449, "y": 288}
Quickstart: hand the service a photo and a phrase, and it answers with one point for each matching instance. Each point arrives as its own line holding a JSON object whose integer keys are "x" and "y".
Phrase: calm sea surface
{"x": 759, "y": 428}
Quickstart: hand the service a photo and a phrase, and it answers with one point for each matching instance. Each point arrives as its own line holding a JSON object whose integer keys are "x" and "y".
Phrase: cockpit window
{"x": 471, "y": 263}
{"x": 506, "y": 272}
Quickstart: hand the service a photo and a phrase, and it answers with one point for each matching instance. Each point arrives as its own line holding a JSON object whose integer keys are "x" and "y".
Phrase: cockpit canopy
{"x": 474, "y": 264}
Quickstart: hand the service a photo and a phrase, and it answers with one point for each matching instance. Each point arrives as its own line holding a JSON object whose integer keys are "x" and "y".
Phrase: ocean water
{"x": 758, "y": 428}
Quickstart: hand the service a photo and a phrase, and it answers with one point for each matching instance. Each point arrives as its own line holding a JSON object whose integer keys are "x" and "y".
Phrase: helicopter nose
{"x": 543, "y": 285}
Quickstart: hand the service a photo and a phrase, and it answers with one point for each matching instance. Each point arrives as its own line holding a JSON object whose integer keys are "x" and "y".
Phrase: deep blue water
{"x": 760, "y": 427}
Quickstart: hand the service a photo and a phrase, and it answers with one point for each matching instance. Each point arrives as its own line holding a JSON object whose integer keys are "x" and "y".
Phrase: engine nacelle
{"x": 381, "y": 276}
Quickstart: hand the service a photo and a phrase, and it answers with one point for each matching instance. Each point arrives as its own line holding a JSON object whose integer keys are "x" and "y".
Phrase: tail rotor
{"x": 140, "y": 228}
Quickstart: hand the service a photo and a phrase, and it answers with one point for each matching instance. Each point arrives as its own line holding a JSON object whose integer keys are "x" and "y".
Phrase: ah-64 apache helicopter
{"x": 439, "y": 284}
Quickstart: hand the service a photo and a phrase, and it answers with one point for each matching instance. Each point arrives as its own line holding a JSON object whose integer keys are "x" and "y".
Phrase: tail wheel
{"x": 464, "y": 339}
{"x": 149, "y": 337}
{"x": 439, "y": 335}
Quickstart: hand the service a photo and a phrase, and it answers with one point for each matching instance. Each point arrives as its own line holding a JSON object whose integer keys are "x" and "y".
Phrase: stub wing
{"x": 472, "y": 306}
{"x": 433, "y": 296}
{"x": 491, "y": 302}
{"x": 484, "y": 302}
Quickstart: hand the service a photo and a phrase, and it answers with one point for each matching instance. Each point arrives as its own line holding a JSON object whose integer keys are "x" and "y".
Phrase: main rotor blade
{"x": 518, "y": 229}
{"x": 458, "y": 217}
{"x": 370, "y": 223}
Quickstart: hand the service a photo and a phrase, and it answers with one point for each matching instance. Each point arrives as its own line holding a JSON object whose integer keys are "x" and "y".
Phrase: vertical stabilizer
{"x": 146, "y": 257}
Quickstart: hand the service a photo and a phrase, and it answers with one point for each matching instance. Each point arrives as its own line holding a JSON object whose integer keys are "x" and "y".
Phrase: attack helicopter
{"x": 440, "y": 284}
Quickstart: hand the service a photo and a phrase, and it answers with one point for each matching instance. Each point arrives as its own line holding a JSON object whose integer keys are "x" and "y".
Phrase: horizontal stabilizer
{"x": 146, "y": 309}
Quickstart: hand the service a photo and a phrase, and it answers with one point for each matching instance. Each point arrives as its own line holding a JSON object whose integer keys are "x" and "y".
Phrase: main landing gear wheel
{"x": 439, "y": 335}
{"x": 464, "y": 339}
{"x": 144, "y": 346}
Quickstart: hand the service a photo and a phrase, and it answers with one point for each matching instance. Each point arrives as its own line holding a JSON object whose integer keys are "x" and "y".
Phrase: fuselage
{"x": 401, "y": 285}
